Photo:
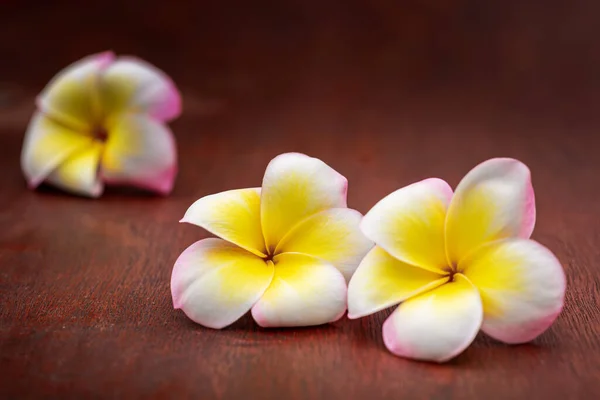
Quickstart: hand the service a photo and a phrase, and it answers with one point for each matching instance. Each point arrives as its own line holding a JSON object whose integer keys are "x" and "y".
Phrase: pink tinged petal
{"x": 436, "y": 325}
{"x": 332, "y": 235}
{"x": 215, "y": 282}
{"x": 494, "y": 201}
{"x": 382, "y": 281}
{"x": 409, "y": 224}
{"x": 233, "y": 215}
{"x": 522, "y": 287}
{"x": 296, "y": 186}
{"x": 305, "y": 291}
{"x": 47, "y": 144}
{"x": 72, "y": 95}
{"x": 140, "y": 152}
{"x": 78, "y": 174}
{"x": 133, "y": 85}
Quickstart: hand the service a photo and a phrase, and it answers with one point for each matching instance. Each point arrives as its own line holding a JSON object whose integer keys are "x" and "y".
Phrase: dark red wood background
{"x": 387, "y": 93}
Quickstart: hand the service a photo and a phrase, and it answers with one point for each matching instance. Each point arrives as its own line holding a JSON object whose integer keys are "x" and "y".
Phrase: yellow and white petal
{"x": 436, "y": 325}
{"x": 494, "y": 201}
{"x": 409, "y": 223}
{"x": 47, "y": 144}
{"x": 382, "y": 281}
{"x": 296, "y": 186}
{"x": 332, "y": 235}
{"x": 133, "y": 85}
{"x": 215, "y": 282}
{"x": 141, "y": 152}
{"x": 522, "y": 286}
{"x": 79, "y": 172}
{"x": 233, "y": 215}
{"x": 305, "y": 291}
{"x": 72, "y": 95}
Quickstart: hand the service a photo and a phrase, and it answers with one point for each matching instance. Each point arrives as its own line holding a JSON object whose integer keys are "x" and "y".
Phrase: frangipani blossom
{"x": 458, "y": 262}
{"x": 102, "y": 120}
{"x": 286, "y": 249}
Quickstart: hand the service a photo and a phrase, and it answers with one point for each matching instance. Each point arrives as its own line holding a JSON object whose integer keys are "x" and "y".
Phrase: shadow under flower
{"x": 246, "y": 332}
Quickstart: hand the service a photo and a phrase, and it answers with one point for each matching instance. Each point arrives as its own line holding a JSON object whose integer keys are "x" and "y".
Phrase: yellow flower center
{"x": 271, "y": 253}
{"x": 450, "y": 271}
{"x": 100, "y": 133}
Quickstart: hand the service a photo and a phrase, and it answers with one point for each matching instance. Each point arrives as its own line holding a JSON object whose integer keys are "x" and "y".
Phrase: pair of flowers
{"x": 293, "y": 254}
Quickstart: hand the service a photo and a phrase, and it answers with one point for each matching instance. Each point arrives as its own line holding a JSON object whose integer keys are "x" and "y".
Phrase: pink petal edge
{"x": 529, "y": 214}
{"x": 529, "y": 211}
{"x": 395, "y": 347}
{"x": 389, "y": 340}
{"x": 172, "y": 107}
{"x": 533, "y": 329}
{"x": 258, "y": 316}
{"x": 161, "y": 183}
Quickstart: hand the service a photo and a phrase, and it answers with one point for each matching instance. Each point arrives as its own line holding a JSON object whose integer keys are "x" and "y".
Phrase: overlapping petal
{"x": 332, "y": 235}
{"x": 72, "y": 95}
{"x": 140, "y": 151}
{"x": 47, "y": 144}
{"x": 436, "y": 325}
{"x": 296, "y": 186}
{"x": 215, "y": 282}
{"x": 79, "y": 172}
{"x": 494, "y": 201}
{"x": 305, "y": 291}
{"x": 522, "y": 287}
{"x": 409, "y": 223}
{"x": 133, "y": 85}
{"x": 382, "y": 281}
{"x": 233, "y": 215}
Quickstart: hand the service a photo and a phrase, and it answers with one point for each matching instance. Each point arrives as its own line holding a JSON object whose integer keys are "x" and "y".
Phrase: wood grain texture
{"x": 387, "y": 93}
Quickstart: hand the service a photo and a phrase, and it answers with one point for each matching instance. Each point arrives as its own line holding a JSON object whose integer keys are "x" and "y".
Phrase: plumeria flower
{"x": 457, "y": 263}
{"x": 102, "y": 120}
{"x": 286, "y": 250}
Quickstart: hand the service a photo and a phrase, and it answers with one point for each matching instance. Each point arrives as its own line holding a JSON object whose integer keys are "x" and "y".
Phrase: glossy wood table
{"x": 387, "y": 93}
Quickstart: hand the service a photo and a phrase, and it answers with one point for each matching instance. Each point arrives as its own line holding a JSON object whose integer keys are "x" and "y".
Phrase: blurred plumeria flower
{"x": 457, "y": 263}
{"x": 102, "y": 120}
{"x": 287, "y": 250}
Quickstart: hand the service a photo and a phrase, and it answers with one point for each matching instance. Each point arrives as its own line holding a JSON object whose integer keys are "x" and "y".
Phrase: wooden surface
{"x": 387, "y": 93}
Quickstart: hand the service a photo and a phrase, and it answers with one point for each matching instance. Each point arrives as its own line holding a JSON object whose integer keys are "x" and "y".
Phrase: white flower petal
{"x": 522, "y": 286}
{"x": 233, "y": 215}
{"x": 494, "y": 201}
{"x": 140, "y": 152}
{"x": 409, "y": 224}
{"x": 71, "y": 97}
{"x": 79, "y": 172}
{"x": 47, "y": 144}
{"x": 382, "y": 281}
{"x": 305, "y": 291}
{"x": 296, "y": 186}
{"x": 215, "y": 282}
{"x": 436, "y": 325}
{"x": 133, "y": 85}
